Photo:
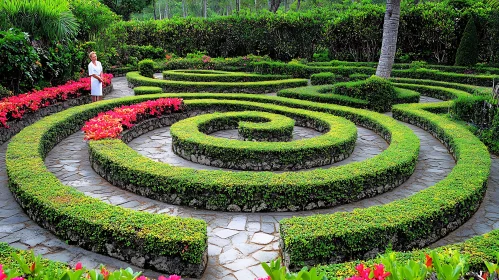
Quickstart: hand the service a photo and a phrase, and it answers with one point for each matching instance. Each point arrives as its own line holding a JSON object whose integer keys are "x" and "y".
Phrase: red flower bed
{"x": 16, "y": 106}
{"x": 110, "y": 124}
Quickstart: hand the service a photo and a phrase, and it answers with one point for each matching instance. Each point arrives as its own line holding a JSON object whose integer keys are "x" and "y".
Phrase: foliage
{"x": 23, "y": 265}
{"x": 219, "y": 76}
{"x": 92, "y": 16}
{"x": 467, "y": 53}
{"x": 126, "y": 7}
{"x": 20, "y": 65}
{"x": 146, "y": 68}
{"x": 16, "y": 106}
{"x": 110, "y": 124}
{"x": 4, "y": 92}
{"x": 61, "y": 62}
{"x": 45, "y": 20}
{"x": 278, "y": 272}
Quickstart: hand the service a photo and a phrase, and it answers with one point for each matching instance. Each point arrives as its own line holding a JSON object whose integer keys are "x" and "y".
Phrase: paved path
{"x": 238, "y": 242}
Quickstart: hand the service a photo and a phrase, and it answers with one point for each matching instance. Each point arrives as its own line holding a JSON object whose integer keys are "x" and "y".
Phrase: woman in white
{"x": 95, "y": 72}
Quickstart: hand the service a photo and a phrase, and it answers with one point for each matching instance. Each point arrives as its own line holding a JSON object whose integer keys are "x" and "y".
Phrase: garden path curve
{"x": 238, "y": 242}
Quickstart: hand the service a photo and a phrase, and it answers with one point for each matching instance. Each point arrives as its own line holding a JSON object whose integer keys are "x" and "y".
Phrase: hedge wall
{"x": 135, "y": 79}
{"x": 89, "y": 222}
{"x": 409, "y": 223}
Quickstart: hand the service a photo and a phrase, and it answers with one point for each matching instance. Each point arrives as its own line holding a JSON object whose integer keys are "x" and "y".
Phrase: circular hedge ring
{"x": 261, "y": 191}
{"x": 190, "y": 142}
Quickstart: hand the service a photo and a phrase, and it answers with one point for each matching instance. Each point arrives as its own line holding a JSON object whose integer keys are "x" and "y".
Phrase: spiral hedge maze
{"x": 179, "y": 245}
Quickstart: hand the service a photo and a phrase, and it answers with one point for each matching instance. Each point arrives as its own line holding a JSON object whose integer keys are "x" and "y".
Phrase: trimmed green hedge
{"x": 406, "y": 96}
{"x": 219, "y": 76}
{"x": 87, "y": 221}
{"x": 191, "y": 142}
{"x": 374, "y": 93}
{"x": 146, "y": 90}
{"x": 405, "y": 224}
{"x": 273, "y": 128}
{"x": 136, "y": 79}
{"x": 146, "y": 68}
{"x": 464, "y": 87}
{"x": 443, "y": 93}
{"x": 257, "y": 191}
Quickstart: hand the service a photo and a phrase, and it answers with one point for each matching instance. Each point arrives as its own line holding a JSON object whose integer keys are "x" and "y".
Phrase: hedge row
{"x": 409, "y": 223}
{"x": 327, "y": 78}
{"x": 405, "y": 66}
{"x": 135, "y": 79}
{"x": 273, "y": 128}
{"x": 442, "y": 93}
{"x": 340, "y": 94}
{"x": 257, "y": 191}
{"x": 165, "y": 243}
{"x": 190, "y": 141}
{"x": 302, "y": 70}
{"x": 219, "y": 76}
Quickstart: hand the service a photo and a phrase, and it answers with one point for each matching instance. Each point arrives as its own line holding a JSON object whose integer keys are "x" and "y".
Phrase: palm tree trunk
{"x": 274, "y": 5}
{"x": 298, "y": 5}
{"x": 205, "y": 8}
{"x": 154, "y": 8}
{"x": 389, "y": 44}
{"x": 167, "y": 10}
{"x": 184, "y": 12}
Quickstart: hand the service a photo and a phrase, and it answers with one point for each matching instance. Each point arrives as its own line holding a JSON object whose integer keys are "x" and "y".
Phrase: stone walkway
{"x": 238, "y": 242}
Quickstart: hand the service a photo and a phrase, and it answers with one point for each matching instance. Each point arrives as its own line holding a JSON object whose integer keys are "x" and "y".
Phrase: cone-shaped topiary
{"x": 467, "y": 53}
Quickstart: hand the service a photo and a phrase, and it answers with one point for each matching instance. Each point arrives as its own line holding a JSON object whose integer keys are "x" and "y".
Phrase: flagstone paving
{"x": 238, "y": 242}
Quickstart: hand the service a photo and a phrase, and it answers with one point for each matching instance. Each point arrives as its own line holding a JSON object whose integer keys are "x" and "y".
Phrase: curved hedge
{"x": 135, "y": 79}
{"x": 409, "y": 223}
{"x": 257, "y": 191}
{"x": 165, "y": 243}
{"x": 273, "y": 128}
{"x": 219, "y": 76}
{"x": 340, "y": 94}
{"x": 191, "y": 142}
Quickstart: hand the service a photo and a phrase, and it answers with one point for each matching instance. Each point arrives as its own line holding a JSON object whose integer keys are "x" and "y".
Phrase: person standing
{"x": 95, "y": 72}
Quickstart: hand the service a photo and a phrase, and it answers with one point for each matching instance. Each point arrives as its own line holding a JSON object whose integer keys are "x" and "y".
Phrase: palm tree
{"x": 45, "y": 20}
{"x": 389, "y": 44}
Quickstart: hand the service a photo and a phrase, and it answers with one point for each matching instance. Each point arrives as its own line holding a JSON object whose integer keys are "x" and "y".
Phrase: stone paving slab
{"x": 246, "y": 239}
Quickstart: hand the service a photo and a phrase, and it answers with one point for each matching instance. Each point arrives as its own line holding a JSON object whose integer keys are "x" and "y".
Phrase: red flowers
{"x": 429, "y": 261}
{"x": 16, "y": 106}
{"x": 78, "y": 266}
{"x": 110, "y": 124}
{"x": 366, "y": 273}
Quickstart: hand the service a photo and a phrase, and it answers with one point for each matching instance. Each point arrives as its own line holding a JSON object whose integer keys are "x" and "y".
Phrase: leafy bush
{"x": 4, "y": 92}
{"x": 92, "y": 16}
{"x": 49, "y": 20}
{"x": 467, "y": 52}
{"x": 325, "y": 78}
{"x": 20, "y": 65}
{"x": 146, "y": 68}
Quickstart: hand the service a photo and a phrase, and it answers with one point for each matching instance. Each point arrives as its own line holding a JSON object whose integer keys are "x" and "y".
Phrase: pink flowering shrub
{"x": 16, "y": 106}
{"x": 110, "y": 124}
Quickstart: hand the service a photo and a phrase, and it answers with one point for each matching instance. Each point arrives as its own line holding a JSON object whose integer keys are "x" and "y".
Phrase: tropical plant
{"x": 93, "y": 17}
{"x": 45, "y": 20}
{"x": 467, "y": 53}
{"x": 389, "y": 44}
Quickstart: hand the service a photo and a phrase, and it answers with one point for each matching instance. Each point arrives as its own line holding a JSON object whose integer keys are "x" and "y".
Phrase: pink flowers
{"x": 206, "y": 59}
{"x": 3, "y": 276}
{"x": 172, "y": 277}
{"x": 264, "y": 278}
{"x": 16, "y": 106}
{"x": 110, "y": 124}
{"x": 78, "y": 266}
{"x": 364, "y": 273}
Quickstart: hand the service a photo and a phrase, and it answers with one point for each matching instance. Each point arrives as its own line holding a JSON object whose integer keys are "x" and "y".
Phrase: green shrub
{"x": 218, "y": 76}
{"x": 467, "y": 52}
{"x": 20, "y": 65}
{"x": 357, "y": 77}
{"x": 146, "y": 68}
{"x": 377, "y": 91}
{"x": 4, "y": 92}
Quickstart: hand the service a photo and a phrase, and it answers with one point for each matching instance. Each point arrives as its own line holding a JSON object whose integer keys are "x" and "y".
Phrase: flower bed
{"x": 20, "y": 111}
{"x": 110, "y": 124}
